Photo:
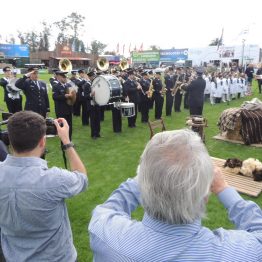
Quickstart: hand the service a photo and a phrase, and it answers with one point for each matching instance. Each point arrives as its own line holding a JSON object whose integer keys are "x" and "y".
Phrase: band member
{"x": 116, "y": 111}
{"x": 83, "y": 102}
{"x": 259, "y": 78}
{"x": 53, "y": 80}
{"x": 131, "y": 88}
{"x": 12, "y": 97}
{"x": 94, "y": 108}
{"x": 60, "y": 96}
{"x": 169, "y": 85}
{"x": 151, "y": 100}
{"x": 196, "y": 94}
{"x": 144, "y": 100}
{"x": 35, "y": 92}
{"x": 158, "y": 95}
{"x": 178, "y": 80}
{"x": 76, "y": 106}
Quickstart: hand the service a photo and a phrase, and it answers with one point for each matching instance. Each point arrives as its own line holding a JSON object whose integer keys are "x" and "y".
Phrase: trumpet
{"x": 163, "y": 91}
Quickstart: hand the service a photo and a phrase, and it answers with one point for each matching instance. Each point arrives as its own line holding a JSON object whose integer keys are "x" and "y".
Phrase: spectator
{"x": 33, "y": 216}
{"x": 173, "y": 183}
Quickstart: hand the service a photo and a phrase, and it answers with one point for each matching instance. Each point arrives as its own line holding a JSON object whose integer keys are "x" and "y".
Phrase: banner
{"x": 11, "y": 51}
{"x": 173, "y": 55}
{"x": 144, "y": 57}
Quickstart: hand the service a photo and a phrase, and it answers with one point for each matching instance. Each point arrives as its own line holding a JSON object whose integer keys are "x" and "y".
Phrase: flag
{"x": 141, "y": 48}
{"x": 220, "y": 39}
{"x": 117, "y": 49}
{"x": 129, "y": 48}
{"x": 135, "y": 48}
{"x": 123, "y": 49}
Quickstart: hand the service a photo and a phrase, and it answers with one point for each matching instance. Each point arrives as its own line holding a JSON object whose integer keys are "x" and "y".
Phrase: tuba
{"x": 123, "y": 64}
{"x": 102, "y": 64}
{"x": 65, "y": 65}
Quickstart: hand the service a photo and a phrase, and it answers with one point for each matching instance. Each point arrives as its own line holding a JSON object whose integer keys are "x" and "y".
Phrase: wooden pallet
{"x": 222, "y": 138}
{"x": 242, "y": 184}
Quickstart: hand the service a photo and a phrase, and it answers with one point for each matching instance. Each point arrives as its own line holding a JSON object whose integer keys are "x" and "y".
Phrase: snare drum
{"x": 127, "y": 109}
{"x": 107, "y": 88}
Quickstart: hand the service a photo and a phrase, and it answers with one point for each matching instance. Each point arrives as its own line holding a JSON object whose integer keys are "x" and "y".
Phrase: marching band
{"x": 142, "y": 89}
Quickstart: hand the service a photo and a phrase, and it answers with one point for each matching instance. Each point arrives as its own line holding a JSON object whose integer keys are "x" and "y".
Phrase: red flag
{"x": 117, "y": 48}
{"x": 141, "y": 48}
{"x": 123, "y": 49}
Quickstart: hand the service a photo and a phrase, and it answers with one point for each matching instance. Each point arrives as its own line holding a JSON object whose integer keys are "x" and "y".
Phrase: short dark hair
{"x": 6, "y": 68}
{"x": 25, "y": 129}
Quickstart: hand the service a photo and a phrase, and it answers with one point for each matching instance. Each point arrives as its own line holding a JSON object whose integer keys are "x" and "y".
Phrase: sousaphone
{"x": 65, "y": 65}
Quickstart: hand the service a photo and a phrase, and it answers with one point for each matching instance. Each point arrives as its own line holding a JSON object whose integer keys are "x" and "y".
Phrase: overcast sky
{"x": 166, "y": 23}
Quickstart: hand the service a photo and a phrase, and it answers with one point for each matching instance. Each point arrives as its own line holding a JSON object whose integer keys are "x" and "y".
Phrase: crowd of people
{"x": 174, "y": 178}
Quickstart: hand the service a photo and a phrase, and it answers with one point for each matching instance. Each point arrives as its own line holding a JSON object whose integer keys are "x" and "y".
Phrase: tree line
{"x": 69, "y": 30}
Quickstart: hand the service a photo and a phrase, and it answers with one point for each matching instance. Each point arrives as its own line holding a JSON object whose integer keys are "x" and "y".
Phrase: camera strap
{"x": 64, "y": 156}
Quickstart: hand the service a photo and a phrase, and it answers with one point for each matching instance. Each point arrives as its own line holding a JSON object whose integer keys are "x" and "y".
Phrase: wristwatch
{"x": 66, "y": 146}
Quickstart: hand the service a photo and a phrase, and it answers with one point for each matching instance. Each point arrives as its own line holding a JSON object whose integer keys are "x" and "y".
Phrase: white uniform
{"x": 213, "y": 90}
{"x": 219, "y": 89}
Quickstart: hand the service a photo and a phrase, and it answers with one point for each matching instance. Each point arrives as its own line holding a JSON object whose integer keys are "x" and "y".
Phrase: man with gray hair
{"x": 173, "y": 182}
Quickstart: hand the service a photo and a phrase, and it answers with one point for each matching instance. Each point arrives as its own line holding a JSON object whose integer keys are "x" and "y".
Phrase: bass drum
{"x": 107, "y": 89}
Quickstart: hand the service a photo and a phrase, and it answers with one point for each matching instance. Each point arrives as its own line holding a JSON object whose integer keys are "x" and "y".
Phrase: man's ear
{"x": 42, "y": 142}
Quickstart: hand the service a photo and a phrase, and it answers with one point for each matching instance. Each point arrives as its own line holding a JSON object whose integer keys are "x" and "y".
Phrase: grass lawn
{"x": 113, "y": 158}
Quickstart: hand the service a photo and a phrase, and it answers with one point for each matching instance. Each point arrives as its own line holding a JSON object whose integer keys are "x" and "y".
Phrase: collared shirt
{"x": 114, "y": 236}
{"x": 33, "y": 215}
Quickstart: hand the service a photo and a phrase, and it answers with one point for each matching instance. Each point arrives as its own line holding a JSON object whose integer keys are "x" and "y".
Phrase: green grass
{"x": 114, "y": 158}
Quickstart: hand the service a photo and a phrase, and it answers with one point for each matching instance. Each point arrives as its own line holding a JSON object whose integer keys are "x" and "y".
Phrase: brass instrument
{"x": 123, "y": 64}
{"x": 102, "y": 64}
{"x": 12, "y": 90}
{"x": 71, "y": 89}
{"x": 151, "y": 89}
{"x": 65, "y": 65}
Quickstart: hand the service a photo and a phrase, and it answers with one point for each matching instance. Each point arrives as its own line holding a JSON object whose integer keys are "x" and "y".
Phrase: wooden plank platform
{"x": 222, "y": 138}
{"x": 242, "y": 184}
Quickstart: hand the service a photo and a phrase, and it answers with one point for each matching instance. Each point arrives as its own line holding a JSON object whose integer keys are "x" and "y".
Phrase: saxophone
{"x": 151, "y": 89}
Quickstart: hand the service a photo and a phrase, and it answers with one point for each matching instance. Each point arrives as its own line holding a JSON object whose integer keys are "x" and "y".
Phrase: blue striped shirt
{"x": 114, "y": 236}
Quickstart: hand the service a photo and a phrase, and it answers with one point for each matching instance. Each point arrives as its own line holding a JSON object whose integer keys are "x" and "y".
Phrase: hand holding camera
{"x": 62, "y": 130}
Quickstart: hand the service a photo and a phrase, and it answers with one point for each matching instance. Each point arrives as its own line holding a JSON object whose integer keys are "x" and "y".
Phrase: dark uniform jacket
{"x": 131, "y": 90}
{"x": 145, "y": 84}
{"x": 86, "y": 91}
{"x": 196, "y": 92}
{"x": 36, "y": 95}
{"x": 169, "y": 83}
{"x": 157, "y": 85}
{"x": 61, "y": 106}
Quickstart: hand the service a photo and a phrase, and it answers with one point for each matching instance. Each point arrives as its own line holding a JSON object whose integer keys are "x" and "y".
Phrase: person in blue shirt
{"x": 173, "y": 182}
{"x": 33, "y": 216}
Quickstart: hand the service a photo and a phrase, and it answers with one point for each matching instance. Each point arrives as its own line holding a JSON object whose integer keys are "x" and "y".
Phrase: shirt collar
{"x": 25, "y": 161}
{"x": 182, "y": 230}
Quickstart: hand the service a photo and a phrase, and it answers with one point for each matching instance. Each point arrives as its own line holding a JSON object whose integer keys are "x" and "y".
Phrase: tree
{"x": 44, "y": 42}
{"x": 154, "y": 48}
{"x": 31, "y": 39}
{"x": 11, "y": 40}
{"x": 216, "y": 42}
{"x": 97, "y": 47}
{"x": 75, "y": 23}
{"x": 63, "y": 26}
